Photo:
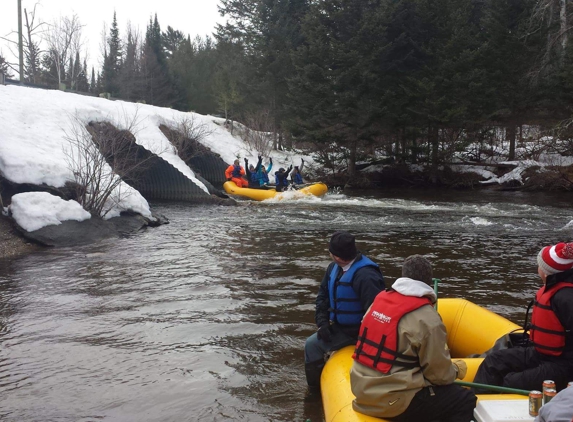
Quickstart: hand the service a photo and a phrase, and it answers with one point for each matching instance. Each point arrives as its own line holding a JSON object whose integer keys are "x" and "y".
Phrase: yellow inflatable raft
{"x": 316, "y": 189}
{"x": 471, "y": 330}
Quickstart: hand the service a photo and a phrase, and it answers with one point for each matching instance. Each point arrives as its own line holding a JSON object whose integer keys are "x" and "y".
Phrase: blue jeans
{"x": 315, "y": 349}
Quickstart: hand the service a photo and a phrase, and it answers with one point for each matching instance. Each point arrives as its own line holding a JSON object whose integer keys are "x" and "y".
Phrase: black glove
{"x": 302, "y": 160}
{"x": 270, "y": 160}
{"x": 246, "y": 161}
{"x": 290, "y": 168}
{"x": 323, "y": 333}
{"x": 229, "y": 179}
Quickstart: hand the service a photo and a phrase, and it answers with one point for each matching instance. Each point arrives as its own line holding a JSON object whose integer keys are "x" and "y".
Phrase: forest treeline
{"x": 413, "y": 80}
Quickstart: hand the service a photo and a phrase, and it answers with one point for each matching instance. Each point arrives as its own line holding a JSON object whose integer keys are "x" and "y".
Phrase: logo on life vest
{"x": 380, "y": 317}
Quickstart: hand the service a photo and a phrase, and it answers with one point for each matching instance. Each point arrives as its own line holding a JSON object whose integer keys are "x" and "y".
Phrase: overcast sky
{"x": 193, "y": 17}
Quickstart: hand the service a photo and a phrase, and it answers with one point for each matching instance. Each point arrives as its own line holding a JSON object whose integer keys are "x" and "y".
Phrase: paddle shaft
{"x": 436, "y": 281}
{"x": 492, "y": 388}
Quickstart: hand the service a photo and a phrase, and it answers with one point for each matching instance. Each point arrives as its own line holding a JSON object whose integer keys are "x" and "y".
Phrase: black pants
{"x": 445, "y": 403}
{"x": 523, "y": 368}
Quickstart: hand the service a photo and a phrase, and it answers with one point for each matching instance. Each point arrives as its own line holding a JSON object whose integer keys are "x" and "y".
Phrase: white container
{"x": 503, "y": 411}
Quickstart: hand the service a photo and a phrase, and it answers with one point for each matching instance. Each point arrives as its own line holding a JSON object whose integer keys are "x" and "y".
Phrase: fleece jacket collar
{"x": 411, "y": 287}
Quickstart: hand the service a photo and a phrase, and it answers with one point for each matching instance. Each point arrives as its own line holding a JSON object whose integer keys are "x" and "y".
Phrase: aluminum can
{"x": 548, "y": 395}
{"x": 535, "y": 402}
{"x": 548, "y": 384}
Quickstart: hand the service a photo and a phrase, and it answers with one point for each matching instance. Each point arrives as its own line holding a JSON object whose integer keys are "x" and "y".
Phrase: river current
{"x": 205, "y": 318}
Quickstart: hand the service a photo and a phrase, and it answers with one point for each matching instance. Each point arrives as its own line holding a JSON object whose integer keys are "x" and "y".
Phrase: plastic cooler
{"x": 503, "y": 411}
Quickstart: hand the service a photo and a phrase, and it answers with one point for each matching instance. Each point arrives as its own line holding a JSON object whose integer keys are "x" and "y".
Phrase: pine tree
{"x": 155, "y": 74}
{"x": 268, "y": 31}
{"x": 4, "y": 67}
{"x": 112, "y": 60}
{"x": 334, "y": 95}
{"x": 83, "y": 84}
{"x": 93, "y": 89}
{"x": 130, "y": 74}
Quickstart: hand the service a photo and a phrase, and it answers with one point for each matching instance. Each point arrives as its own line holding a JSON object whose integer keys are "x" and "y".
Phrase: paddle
{"x": 436, "y": 281}
{"x": 492, "y": 388}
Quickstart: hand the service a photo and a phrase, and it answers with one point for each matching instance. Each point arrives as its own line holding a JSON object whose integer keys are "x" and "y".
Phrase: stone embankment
{"x": 12, "y": 244}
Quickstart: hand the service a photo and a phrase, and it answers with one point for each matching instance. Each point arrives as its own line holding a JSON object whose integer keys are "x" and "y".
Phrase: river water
{"x": 204, "y": 319}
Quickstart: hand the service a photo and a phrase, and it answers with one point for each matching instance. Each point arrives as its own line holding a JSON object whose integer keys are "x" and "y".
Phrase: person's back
{"x": 281, "y": 179}
{"x": 296, "y": 175}
{"x": 402, "y": 368}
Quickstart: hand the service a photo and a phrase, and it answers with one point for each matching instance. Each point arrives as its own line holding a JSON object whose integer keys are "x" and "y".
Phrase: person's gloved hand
{"x": 290, "y": 167}
{"x": 246, "y": 161}
{"x": 271, "y": 160}
{"x": 323, "y": 333}
{"x": 462, "y": 368}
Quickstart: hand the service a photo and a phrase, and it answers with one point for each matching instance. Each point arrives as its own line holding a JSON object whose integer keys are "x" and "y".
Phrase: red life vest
{"x": 377, "y": 345}
{"x": 547, "y": 333}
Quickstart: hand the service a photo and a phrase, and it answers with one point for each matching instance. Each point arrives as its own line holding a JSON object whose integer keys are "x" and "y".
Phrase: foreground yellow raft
{"x": 471, "y": 330}
{"x": 316, "y": 189}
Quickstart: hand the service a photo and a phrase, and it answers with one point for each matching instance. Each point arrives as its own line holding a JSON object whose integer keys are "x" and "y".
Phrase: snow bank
{"x": 34, "y": 210}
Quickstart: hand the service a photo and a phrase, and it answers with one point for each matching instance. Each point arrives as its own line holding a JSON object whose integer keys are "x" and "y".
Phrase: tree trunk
{"x": 510, "y": 133}
{"x": 563, "y": 26}
{"x": 352, "y": 160}
{"x": 433, "y": 140}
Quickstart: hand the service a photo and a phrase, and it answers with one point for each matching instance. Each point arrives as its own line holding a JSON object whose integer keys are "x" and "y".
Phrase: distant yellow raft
{"x": 471, "y": 330}
{"x": 316, "y": 189}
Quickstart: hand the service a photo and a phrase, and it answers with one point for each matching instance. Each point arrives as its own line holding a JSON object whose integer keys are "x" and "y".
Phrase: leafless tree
{"x": 97, "y": 164}
{"x": 64, "y": 39}
{"x": 259, "y": 131}
{"x": 33, "y": 30}
{"x": 187, "y": 136}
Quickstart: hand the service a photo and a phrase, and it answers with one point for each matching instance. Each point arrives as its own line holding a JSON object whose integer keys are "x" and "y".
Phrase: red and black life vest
{"x": 377, "y": 345}
{"x": 547, "y": 333}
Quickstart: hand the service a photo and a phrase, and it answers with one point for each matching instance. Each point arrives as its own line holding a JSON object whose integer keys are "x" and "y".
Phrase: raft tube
{"x": 316, "y": 189}
{"x": 471, "y": 330}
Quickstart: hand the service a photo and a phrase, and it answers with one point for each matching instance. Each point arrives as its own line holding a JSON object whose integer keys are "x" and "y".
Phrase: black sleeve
{"x": 367, "y": 283}
{"x": 322, "y": 315}
{"x": 562, "y": 305}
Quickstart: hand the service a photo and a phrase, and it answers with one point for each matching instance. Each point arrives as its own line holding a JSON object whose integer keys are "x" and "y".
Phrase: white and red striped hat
{"x": 555, "y": 259}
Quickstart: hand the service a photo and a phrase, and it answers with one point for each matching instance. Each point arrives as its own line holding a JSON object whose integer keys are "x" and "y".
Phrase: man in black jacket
{"x": 550, "y": 355}
{"x": 348, "y": 288}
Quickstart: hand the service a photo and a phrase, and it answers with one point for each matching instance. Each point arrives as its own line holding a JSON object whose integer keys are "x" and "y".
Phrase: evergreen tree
{"x": 32, "y": 62}
{"x": 4, "y": 68}
{"x": 155, "y": 74}
{"x": 112, "y": 60}
{"x": 93, "y": 89}
{"x": 130, "y": 74}
{"x": 269, "y": 31}
{"x": 82, "y": 83}
{"x": 333, "y": 93}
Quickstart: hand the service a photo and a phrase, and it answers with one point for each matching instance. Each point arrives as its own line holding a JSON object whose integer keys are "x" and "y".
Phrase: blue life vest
{"x": 345, "y": 306}
{"x": 264, "y": 178}
{"x": 237, "y": 171}
{"x": 254, "y": 177}
{"x": 297, "y": 179}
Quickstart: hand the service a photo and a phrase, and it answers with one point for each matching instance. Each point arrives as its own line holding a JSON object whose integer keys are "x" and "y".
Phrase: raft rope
{"x": 492, "y": 388}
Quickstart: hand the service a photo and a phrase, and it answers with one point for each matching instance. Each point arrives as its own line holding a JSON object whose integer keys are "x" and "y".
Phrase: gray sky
{"x": 193, "y": 17}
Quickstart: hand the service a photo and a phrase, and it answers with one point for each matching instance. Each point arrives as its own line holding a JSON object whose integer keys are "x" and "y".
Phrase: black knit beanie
{"x": 418, "y": 268}
{"x": 343, "y": 245}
